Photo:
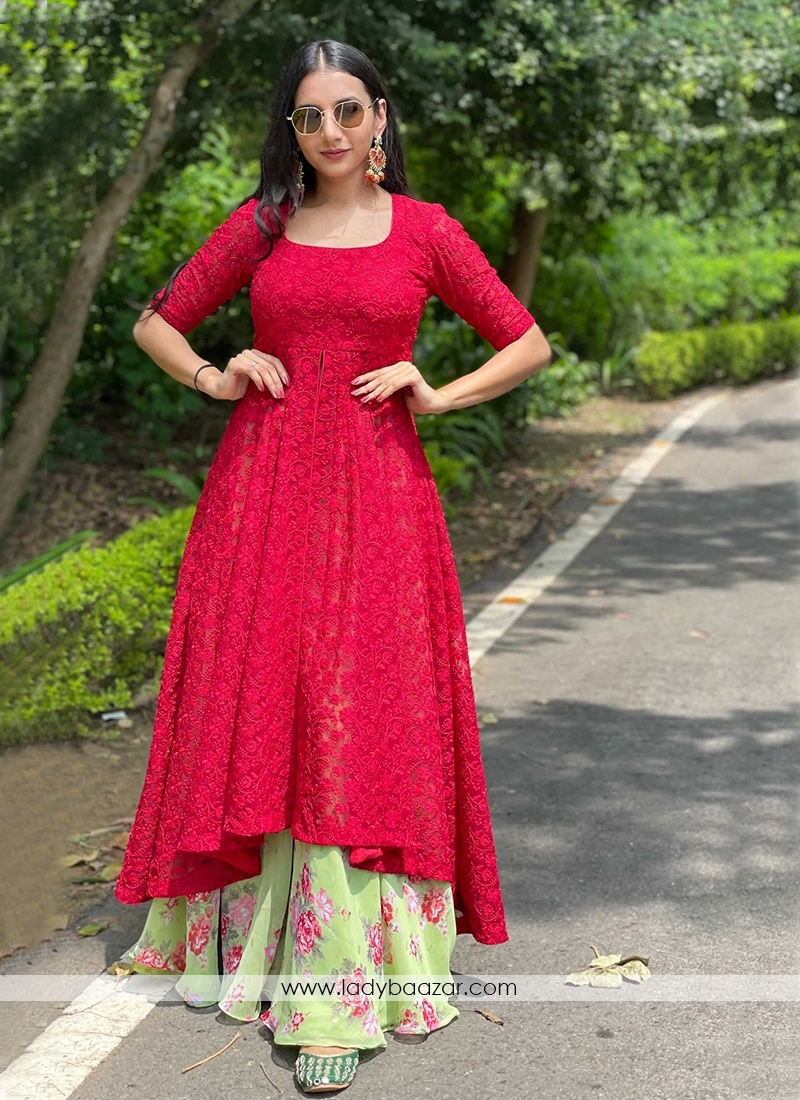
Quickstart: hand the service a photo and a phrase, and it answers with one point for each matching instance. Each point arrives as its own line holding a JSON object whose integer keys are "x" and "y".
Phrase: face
{"x": 324, "y": 89}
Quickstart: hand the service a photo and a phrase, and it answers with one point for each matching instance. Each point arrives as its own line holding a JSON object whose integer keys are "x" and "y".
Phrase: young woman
{"x": 315, "y": 801}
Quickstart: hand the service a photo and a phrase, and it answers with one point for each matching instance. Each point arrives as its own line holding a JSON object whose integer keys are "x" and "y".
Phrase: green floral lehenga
{"x": 307, "y": 914}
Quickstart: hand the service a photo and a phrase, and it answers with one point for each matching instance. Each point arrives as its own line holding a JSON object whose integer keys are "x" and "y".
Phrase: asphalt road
{"x": 643, "y": 774}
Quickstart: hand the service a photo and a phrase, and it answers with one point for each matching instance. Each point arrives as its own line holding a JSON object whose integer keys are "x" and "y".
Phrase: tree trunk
{"x": 52, "y": 370}
{"x": 518, "y": 269}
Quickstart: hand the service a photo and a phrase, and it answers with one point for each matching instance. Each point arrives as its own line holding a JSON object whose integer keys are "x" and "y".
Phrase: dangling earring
{"x": 298, "y": 176}
{"x": 377, "y": 161}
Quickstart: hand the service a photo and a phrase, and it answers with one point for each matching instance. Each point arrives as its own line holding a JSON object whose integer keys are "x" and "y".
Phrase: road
{"x": 643, "y": 774}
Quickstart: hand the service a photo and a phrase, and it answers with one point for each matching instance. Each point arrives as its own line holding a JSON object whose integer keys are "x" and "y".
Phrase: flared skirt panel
{"x": 316, "y": 674}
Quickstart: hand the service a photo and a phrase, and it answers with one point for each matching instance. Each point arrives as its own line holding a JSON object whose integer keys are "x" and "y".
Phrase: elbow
{"x": 542, "y": 353}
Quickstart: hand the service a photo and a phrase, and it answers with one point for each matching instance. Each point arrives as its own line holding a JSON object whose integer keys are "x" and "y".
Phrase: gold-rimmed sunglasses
{"x": 349, "y": 113}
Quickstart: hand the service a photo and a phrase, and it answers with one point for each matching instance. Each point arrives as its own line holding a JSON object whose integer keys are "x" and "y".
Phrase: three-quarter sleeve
{"x": 220, "y": 267}
{"x": 461, "y": 275}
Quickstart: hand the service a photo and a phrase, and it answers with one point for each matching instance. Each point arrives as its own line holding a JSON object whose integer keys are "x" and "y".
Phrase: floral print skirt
{"x": 307, "y": 914}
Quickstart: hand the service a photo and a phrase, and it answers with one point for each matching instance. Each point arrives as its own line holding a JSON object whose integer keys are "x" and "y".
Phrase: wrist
{"x": 444, "y": 399}
{"x": 205, "y": 380}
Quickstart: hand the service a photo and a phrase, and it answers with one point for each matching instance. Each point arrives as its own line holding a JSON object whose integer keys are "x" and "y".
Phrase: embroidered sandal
{"x": 325, "y": 1072}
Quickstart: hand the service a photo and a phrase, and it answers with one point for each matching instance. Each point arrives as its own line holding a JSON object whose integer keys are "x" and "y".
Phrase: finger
{"x": 273, "y": 361}
{"x": 275, "y": 382}
{"x": 259, "y": 370}
{"x": 249, "y": 370}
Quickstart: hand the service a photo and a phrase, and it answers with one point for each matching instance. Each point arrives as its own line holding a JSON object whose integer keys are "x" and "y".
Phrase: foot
{"x": 317, "y": 1073}
{"x": 328, "y": 1050}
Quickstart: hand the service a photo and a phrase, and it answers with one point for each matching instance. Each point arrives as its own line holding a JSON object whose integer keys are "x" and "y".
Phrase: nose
{"x": 330, "y": 127}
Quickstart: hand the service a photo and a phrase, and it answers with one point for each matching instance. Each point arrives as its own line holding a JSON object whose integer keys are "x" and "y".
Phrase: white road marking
{"x": 491, "y": 622}
{"x": 60, "y": 1059}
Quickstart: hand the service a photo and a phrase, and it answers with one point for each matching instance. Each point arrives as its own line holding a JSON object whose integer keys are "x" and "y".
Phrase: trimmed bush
{"x": 85, "y": 631}
{"x": 669, "y": 362}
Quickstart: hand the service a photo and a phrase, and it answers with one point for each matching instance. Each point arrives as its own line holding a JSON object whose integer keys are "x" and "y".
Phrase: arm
{"x": 463, "y": 278}
{"x": 220, "y": 268}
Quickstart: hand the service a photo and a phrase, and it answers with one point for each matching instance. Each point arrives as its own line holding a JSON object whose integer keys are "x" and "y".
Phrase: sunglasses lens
{"x": 307, "y": 120}
{"x": 349, "y": 114}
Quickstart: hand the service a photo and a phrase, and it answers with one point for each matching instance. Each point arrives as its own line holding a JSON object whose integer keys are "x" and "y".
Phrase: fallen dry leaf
{"x": 93, "y": 928}
{"x": 490, "y": 1016}
{"x": 607, "y": 971}
{"x": 73, "y": 861}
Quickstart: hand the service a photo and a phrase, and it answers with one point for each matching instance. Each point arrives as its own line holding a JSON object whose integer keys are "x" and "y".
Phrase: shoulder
{"x": 429, "y": 225}
{"x": 247, "y": 228}
{"x": 426, "y": 215}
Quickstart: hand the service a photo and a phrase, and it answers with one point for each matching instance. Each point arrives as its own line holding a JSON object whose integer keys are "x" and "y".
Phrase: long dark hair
{"x": 277, "y": 192}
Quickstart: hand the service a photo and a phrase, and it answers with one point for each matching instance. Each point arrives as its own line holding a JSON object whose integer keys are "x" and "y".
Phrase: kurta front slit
{"x": 316, "y": 674}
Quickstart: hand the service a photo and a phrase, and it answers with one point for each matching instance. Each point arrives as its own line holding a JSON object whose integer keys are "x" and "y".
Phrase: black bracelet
{"x": 196, "y": 374}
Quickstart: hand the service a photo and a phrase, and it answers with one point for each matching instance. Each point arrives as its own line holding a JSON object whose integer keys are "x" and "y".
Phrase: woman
{"x": 315, "y": 801}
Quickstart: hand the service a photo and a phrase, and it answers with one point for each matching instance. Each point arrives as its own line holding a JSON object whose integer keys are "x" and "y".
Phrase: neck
{"x": 344, "y": 193}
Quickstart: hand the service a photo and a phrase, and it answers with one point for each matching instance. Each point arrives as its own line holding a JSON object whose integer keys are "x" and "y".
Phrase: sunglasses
{"x": 350, "y": 113}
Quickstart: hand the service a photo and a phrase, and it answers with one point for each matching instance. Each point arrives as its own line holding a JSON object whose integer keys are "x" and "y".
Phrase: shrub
{"x": 83, "y": 632}
{"x": 668, "y": 362}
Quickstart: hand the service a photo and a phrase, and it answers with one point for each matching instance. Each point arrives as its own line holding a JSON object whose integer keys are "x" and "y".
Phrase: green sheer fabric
{"x": 308, "y": 914}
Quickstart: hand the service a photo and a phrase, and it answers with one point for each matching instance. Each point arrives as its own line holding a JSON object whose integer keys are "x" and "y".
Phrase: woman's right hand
{"x": 266, "y": 371}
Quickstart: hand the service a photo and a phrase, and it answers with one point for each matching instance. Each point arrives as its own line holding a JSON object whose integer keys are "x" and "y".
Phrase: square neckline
{"x": 352, "y": 247}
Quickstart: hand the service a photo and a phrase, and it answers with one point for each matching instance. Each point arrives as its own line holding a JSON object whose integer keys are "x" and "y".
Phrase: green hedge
{"x": 668, "y": 362}
{"x": 84, "y": 632}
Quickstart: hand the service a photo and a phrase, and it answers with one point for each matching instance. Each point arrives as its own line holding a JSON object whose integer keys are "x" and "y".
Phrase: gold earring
{"x": 377, "y": 161}
{"x": 298, "y": 175}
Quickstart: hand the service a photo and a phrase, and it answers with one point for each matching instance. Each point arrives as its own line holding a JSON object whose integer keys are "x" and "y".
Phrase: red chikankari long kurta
{"x": 316, "y": 673}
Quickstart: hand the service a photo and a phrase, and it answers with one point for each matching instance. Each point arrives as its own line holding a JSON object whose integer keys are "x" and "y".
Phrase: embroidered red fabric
{"x": 316, "y": 673}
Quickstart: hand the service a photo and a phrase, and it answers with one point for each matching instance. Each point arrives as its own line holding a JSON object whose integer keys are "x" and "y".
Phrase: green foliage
{"x": 559, "y": 388}
{"x": 84, "y": 631}
{"x": 669, "y": 362}
{"x": 55, "y": 552}
{"x": 655, "y": 273}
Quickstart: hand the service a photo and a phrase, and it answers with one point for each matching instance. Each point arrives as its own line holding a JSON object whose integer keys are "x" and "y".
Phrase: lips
{"x": 334, "y": 154}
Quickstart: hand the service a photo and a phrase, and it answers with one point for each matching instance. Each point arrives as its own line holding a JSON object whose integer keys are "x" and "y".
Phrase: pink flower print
{"x": 370, "y": 1023}
{"x": 270, "y": 1019}
{"x": 307, "y": 931}
{"x": 197, "y": 899}
{"x": 409, "y": 1021}
{"x": 353, "y": 996}
{"x": 178, "y": 957}
{"x": 231, "y": 959}
{"x": 375, "y": 943}
{"x": 305, "y": 880}
{"x": 296, "y": 1020}
{"x": 271, "y": 949}
{"x": 394, "y": 927}
{"x": 386, "y": 910}
{"x": 169, "y": 910}
{"x": 414, "y": 945}
{"x": 412, "y": 898}
{"x": 199, "y": 934}
{"x": 224, "y": 922}
{"x": 324, "y": 906}
{"x": 150, "y": 957}
{"x": 236, "y": 996}
{"x": 344, "y": 912}
{"x": 241, "y": 912}
{"x": 434, "y": 906}
{"x": 429, "y": 1015}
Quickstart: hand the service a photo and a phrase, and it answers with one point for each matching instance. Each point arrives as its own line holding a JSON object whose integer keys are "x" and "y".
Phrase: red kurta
{"x": 316, "y": 674}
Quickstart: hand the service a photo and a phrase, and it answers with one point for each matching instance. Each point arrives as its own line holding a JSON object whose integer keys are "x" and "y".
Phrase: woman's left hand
{"x": 377, "y": 385}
